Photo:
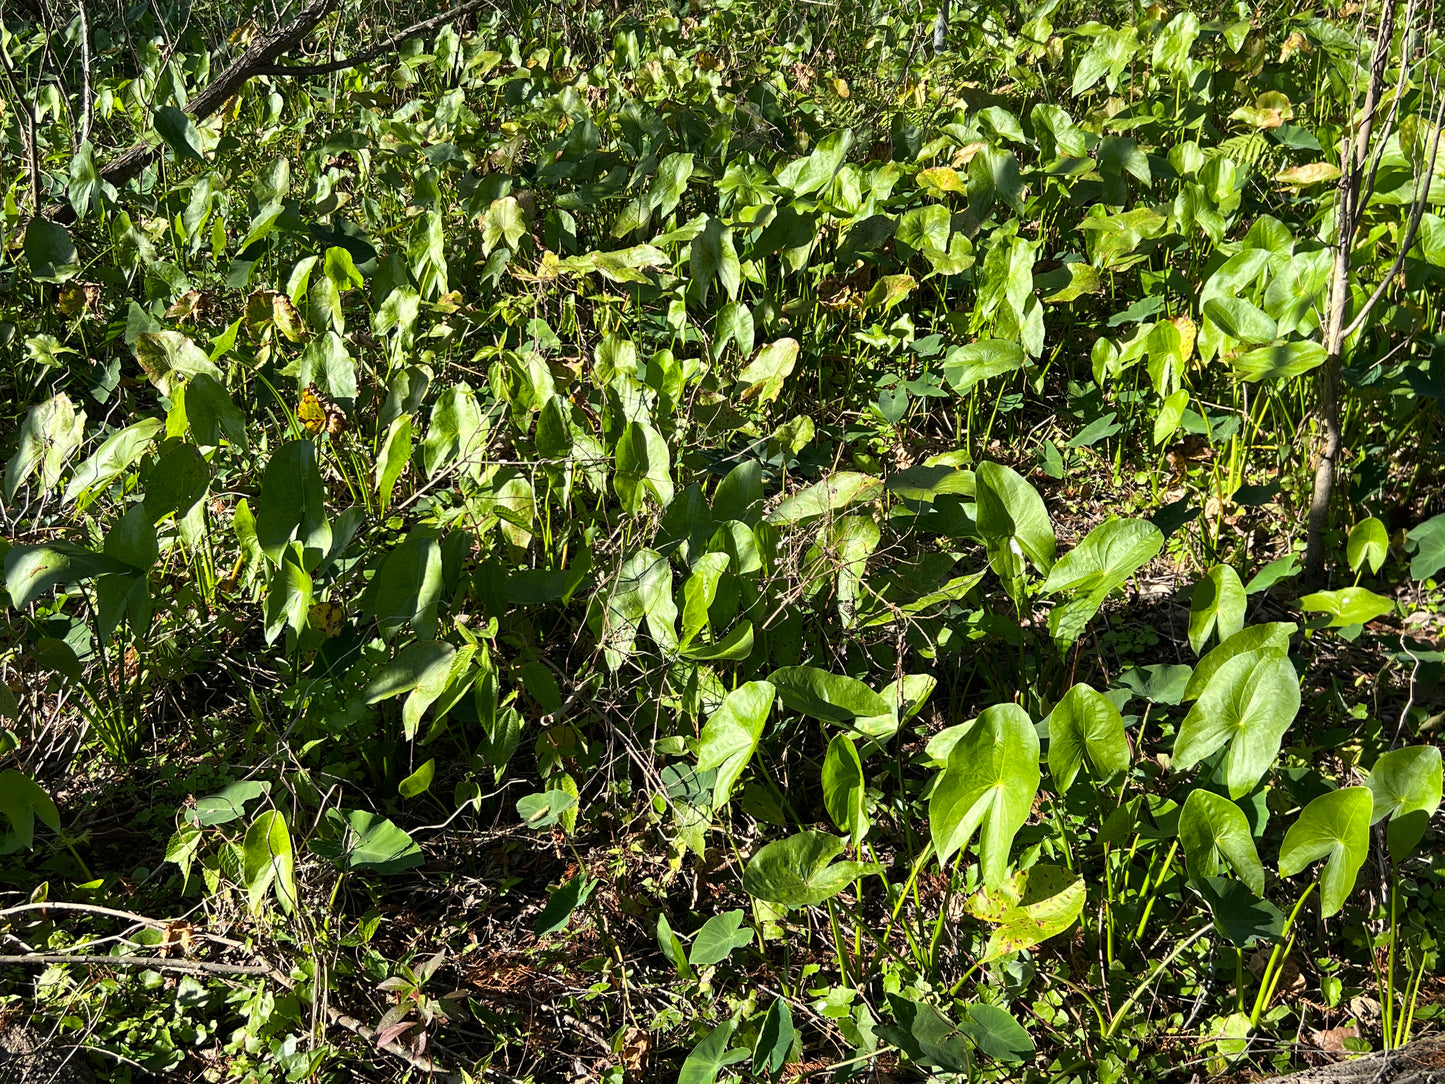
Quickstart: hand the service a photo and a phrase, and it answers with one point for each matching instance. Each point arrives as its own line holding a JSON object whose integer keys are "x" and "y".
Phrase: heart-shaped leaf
{"x": 717, "y": 939}
{"x": 1405, "y": 785}
{"x": 1085, "y": 722}
{"x": 1248, "y": 704}
{"x": 731, "y": 736}
{"x": 987, "y": 787}
{"x": 795, "y": 872}
{"x": 833, "y": 698}
{"x": 1213, "y": 830}
{"x": 1335, "y": 827}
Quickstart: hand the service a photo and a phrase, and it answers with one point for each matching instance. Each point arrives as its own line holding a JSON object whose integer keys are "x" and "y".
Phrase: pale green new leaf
{"x": 1405, "y": 785}
{"x": 1212, "y": 830}
{"x": 268, "y": 858}
{"x": 1368, "y": 546}
{"x": 1085, "y": 723}
{"x": 1218, "y": 603}
{"x": 1247, "y": 705}
{"x": 988, "y": 787}
{"x": 1336, "y": 827}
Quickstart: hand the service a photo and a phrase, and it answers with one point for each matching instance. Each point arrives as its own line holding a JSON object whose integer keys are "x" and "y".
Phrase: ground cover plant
{"x": 719, "y": 540}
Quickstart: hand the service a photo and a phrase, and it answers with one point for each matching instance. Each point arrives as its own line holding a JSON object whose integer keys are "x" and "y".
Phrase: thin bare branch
{"x": 380, "y": 49}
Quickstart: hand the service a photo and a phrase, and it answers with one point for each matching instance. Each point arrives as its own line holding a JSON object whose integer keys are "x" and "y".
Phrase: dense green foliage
{"x": 714, "y": 542}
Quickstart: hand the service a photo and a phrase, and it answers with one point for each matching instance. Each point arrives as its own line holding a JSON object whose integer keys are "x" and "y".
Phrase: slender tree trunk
{"x": 1353, "y": 194}
{"x": 940, "y": 28}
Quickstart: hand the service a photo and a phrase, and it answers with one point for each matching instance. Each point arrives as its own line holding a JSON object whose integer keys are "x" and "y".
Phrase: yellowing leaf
{"x": 1303, "y": 176}
{"x": 941, "y": 179}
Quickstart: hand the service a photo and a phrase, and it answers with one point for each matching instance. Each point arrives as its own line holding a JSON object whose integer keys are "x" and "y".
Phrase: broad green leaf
{"x": 1279, "y": 362}
{"x": 1028, "y": 908}
{"x": 22, "y": 800}
{"x": 833, "y": 698}
{"x": 544, "y": 810}
{"x": 49, "y": 436}
{"x": 807, "y": 175}
{"x": 1171, "y": 412}
{"x": 762, "y": 378}
{"x": 844, "y": 788}
{"x": 1348, "y": 606}
{"x": 408, "y": 585}
{"x": 1110, "y": 52}
{"x": 1428, "y": 543}
{"x": 1240, "y": 320}
{"x": 179, "y": 131}
{"x": 504, "y": 221}
{"x": 1218, "y": 604}
{"x": 997, "y": 1033}
{"x": 269, "y": 859}
{"x": 736, "y": 646}
{"x": 1104, "y": 560}
{"x": 212, "y": 413}
{"x": 1271, "y": 638}
{"x": 420, "y": 663}
{"x": 712, "y": 257}
{"x": 166, "y": 355}
{"x": 731, "y": 736}
{"x": 927, "y": 1036}
{"x": 1405, "y": 785}
{"x": 795, "y": 872}
{"x": 562, "y": 903}
{"x": 775, "y": 1041}
{"x": 644, "y": 468}
{"x": 718, "y": 938}
{"x": 1013, "y": 522}
{"x": 834, "y": 493}
{"x": 1336, "y": 827}
{"x": 288, "y": 598}
{"x": 226, "y": 806}
{"x": 31, "y": 571}
{"x": 456, "y": 434}
{"x": 1240, "y": 915}
{"x": 641, "y": 593}
{"x": 118, "y": 454}
{"x": 1213, "y": 830}
{"x": 968, "y": 365}
{"x": 1085, "y": 723}
{"x": 1248, "y": 704}
{"x": 391, "y": 460}
{"x": 698, "y": 594}
{"x": 50, "y": 251}
{"x": 1369, "y": 545}
{"x": 988, "y": 787}
{"x": 177, "y": 483}
{"x": 86, "y": 184}
{"x": 363, "y": 840}
{"x": 710, "y": 1056}
{"x": 292, "y": 503}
